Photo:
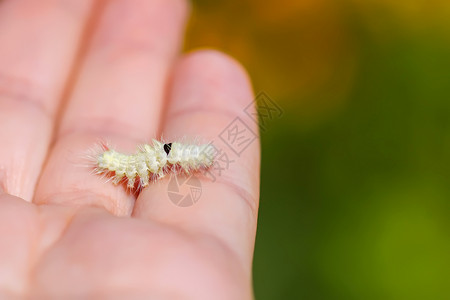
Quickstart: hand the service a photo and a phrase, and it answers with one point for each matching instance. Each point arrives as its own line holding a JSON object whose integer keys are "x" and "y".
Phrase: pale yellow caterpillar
{"x": 152, "y": 162}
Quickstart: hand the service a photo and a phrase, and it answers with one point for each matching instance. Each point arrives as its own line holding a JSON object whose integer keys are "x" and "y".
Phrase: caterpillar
{"x": 152, "y": 162}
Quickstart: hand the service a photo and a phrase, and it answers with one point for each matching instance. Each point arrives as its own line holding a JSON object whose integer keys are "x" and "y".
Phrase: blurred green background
{"x": 356, "y": 173}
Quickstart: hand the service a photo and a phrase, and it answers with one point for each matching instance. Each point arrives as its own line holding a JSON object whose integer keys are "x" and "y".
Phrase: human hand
{"x": 73, "y": 72}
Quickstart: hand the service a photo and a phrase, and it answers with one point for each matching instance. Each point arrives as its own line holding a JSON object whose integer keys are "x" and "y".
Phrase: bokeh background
{"x": 356, "y": 173}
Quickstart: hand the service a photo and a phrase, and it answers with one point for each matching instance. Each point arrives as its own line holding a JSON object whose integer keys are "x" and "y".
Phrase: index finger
{"x": 209, "y": 95}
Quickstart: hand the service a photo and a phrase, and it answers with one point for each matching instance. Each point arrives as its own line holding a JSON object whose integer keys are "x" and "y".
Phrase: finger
{"x": 118, "y": 98}
{"x": 209, "y": 91}
{"x": 38, "y": 43}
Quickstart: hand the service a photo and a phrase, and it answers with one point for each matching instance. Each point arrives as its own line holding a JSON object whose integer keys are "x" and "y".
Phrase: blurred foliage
{"x": 355, "y": 175}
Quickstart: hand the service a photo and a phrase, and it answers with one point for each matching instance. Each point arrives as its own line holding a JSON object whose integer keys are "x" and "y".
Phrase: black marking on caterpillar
{"x": 152, "y": 162}
{"x": 167, "y": 148}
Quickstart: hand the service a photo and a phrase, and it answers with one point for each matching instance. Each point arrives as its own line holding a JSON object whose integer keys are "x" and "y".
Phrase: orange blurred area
{"x": 289, "y": 47}
{"x": 305, "y": 51}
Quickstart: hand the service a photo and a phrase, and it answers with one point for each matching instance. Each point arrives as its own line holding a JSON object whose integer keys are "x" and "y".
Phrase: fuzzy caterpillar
{"x": 152, "y": 162}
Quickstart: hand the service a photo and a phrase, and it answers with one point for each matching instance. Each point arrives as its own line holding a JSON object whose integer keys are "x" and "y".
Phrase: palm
{"x": 72, "y": 234}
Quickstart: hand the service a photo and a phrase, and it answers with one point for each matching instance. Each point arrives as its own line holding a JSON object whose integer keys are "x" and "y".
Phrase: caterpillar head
{"x": 107, "y": 159}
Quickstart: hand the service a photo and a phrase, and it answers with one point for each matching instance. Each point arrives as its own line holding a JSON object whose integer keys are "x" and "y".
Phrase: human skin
{"x": 73, "y": 72}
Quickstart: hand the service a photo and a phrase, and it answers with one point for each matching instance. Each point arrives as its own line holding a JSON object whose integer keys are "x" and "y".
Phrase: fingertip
{"x": 223, "y": 74}
{"x": 217, "y": 58}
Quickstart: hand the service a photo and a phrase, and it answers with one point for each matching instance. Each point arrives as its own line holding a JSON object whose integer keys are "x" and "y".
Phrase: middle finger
{"x": 118, "y": 98}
